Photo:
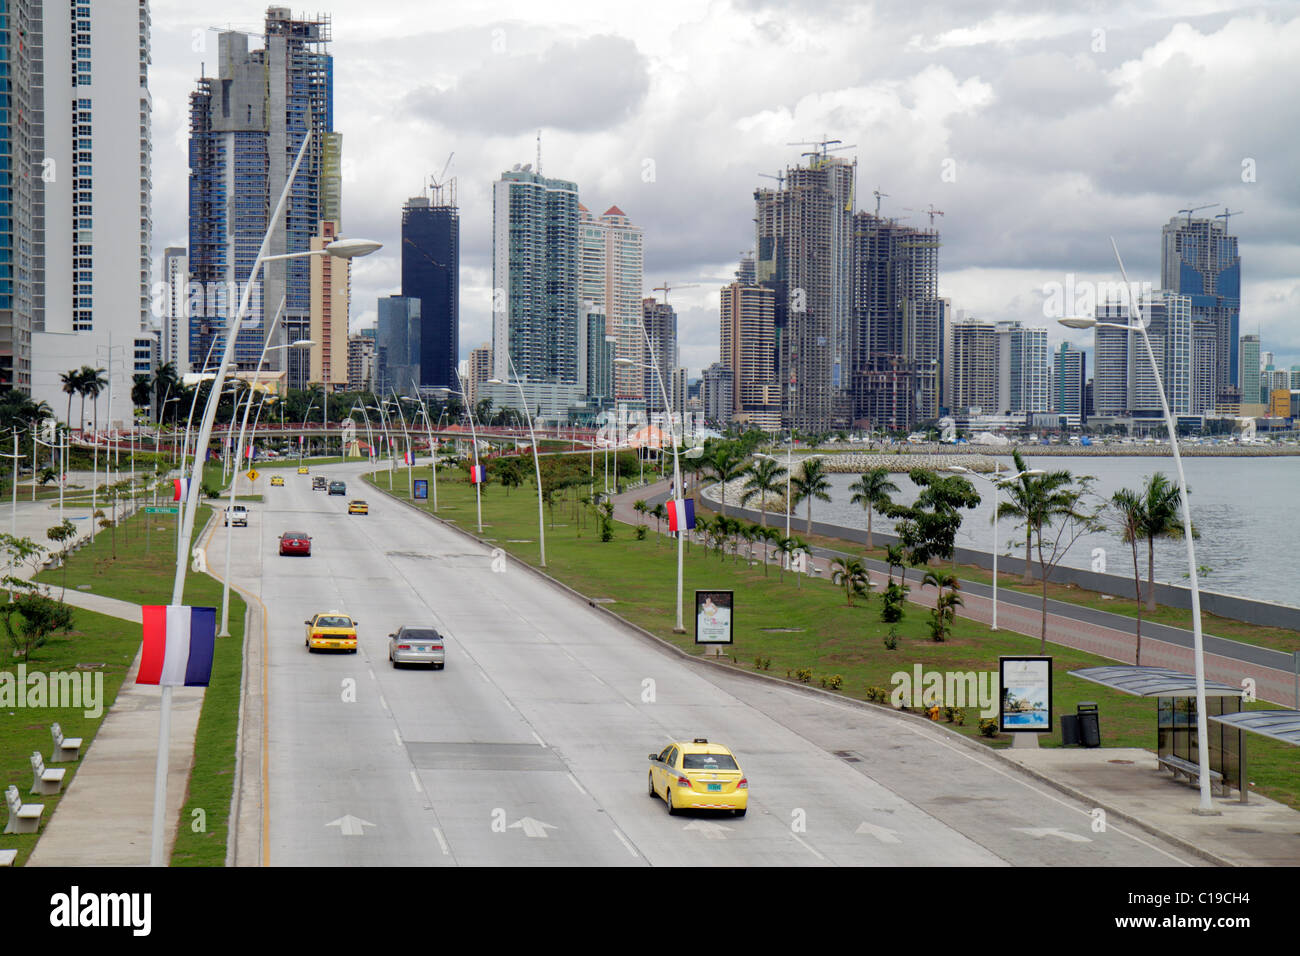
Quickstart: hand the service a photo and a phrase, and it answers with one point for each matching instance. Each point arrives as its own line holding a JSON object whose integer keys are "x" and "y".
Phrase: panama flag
{"x": 180, "y": 488}
{"x": 410, "y": 458}
{"x": 681, "y": 514}
{"x": 178, "y": 645}
{"x": 476, "y": 474}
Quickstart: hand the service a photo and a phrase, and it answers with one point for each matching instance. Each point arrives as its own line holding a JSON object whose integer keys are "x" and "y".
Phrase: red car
{"x": 295, "y": 542}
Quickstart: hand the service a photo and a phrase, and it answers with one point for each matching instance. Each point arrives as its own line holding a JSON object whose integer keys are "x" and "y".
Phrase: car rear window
{"x": 295, "y": 534}
{"x": 331, "y": 621}
{"x": 708, "y": 762}
{"x": 422, "y": 634}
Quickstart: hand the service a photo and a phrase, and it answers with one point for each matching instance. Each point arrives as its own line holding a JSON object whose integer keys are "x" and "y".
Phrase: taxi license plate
{"x": 715, "y": 788}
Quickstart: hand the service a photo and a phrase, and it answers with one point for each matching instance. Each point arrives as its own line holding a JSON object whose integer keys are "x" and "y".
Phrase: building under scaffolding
{"x": 897, "y": 323}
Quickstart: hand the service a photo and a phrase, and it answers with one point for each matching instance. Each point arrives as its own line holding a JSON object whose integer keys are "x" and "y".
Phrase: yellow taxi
{"x": 302, "y": 469}
{"x": 332, "y": 631}
{"x": 698, "y": 776}
{"x": 277, "y": 481}
{"x": 358, "y": 507}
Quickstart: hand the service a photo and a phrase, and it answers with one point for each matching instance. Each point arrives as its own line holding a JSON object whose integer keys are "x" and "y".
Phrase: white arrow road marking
{"x": 711, "y": 831}
{"x": 1053, "y": 831}
{"x": 350, "y": 825}
{"x": 533, "y": 828}
{"x": 883, "y": 834}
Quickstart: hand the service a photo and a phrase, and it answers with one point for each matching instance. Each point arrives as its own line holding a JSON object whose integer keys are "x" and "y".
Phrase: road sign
{"x": 252, "y": 474}
{"x": 161, "y": 511}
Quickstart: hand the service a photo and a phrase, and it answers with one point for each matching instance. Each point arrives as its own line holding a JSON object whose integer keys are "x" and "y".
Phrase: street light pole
{"x": 532, "y": 434}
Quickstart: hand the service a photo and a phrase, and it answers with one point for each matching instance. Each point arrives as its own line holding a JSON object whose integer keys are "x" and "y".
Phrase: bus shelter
{"x": 1176, "y": 743}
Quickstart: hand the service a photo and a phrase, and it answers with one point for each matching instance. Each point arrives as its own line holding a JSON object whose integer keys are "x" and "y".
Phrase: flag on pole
{"x": 410, "y": 458}
{"x": 178, "y": 644}
{"x": 248, "y": 452}
{"x": 477, "y": 474}
{"x": 681, "y": 514}
{"x": 180, "y": 489}
{"x": 299, "y": 439}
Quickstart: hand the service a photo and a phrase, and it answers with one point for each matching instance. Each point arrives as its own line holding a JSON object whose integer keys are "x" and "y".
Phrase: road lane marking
{"x": 506, "y": 700}
{"x": 441, "y": 842}
{"x": 372, "y": 674}
{"x": 883, "y": 834}
{"x": 486, "y": 679}
{"x": 598, "y": 680}
{"x": 397, "y": 736}
{"x": 630, "y": 706}
{"x": 623, "y": 840}
{"x": 574, "y": 781}
{"x": 540, "y": 741}
{"x": 808, "y": 847}
{"x": 415, "y": 779}
{"x": 383, "y": 703}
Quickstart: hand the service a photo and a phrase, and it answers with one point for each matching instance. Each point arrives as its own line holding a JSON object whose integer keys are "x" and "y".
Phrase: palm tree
{"x": 1128, "y": 506}
{"x": 1019, "y": 506}
{"x": 1161, "y": 517}
{"x": 164, "y": 382}
{"x": 946, "y": 604}
{"x": 872, "y": 492}
{"x": 812, "y": 483}
{"x": 769, "y": 536}
{"x": 141, "y": 391}
{"x": 71, "y": 380}
{"x": 851, "y": 574}
{"x": 724, "y": 465}
{"x": 786, "y": 547}
{"x": 95, "y": 383}
{"x": 763, "y": 477}
{"x": 659, "y": 513}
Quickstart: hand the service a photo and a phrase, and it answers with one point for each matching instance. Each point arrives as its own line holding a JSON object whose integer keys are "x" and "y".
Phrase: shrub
{"x": 833, "y": 682}
{"x": 803, "y": 675}
{"x": 878, "y": 695}
{"x": 640, "y": 532}
{"x": 765, "y": 664}
{"x": 891, "y": 639}
{"x": 988, "y": 727}
{"x": 892, "y": 599}
{"x": 959, "y": 716}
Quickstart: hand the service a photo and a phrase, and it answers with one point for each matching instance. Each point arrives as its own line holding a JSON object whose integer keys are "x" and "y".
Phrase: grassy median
{"x": 785, "y": 624}
{"x": 145, "y": 577}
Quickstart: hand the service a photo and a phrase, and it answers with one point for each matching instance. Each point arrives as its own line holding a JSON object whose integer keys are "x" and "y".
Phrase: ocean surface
{"x": 1242, "y": 507}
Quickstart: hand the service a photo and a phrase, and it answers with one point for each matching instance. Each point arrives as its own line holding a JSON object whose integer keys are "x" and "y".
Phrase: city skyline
{"x": 951, "y": 86}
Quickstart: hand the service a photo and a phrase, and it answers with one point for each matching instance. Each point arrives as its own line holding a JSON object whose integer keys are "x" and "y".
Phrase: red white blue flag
{"x": 180, "y": 488}
{"x": 410, "y": 458}
{"x": 477, "y": 474}
{"x": 681, "y": 514}
{"x": 178, "y": 644}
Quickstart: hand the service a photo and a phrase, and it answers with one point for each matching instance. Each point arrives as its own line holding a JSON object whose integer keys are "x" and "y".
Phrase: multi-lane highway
{"x": 530, "y": 746}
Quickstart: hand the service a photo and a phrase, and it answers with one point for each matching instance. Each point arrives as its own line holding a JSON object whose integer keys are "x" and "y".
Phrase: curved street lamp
{"x": 1198, "y": 646}
{"x": 537, "y": 466}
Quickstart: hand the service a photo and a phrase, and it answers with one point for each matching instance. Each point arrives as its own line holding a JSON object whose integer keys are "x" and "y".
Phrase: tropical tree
{"x": 946, "y": 604}
{"x": 763, "y": 478}
{"x": 1161, "y": 517}
{"x": 896, "y": 558}
{"x": 851, "y": 574}
{"x": 928, "y": 528}
{"x": 1126, "y": 506}
{"x": 872, "y": 492}
{"x": 141, "y": 391}
{"x": 71, "y": 380}
{"x": 659, "y": 513}
{"x": 94, "y": 385}
{"x": 809, "y": 484}
{"x": 1018, "y": 505}
{"x": 724, "y": 463}
{"x": 787, "y": 548}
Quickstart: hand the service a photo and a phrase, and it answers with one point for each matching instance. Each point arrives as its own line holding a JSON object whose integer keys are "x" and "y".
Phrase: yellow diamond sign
{"x": 252, "y": 474}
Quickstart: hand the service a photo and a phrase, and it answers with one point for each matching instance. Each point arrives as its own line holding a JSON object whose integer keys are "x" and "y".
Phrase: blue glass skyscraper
{"x": 1199, "y": 259}
{"x": 431, "y": 273}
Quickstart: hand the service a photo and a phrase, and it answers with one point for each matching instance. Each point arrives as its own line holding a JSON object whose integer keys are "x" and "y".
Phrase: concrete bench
{"x": 7, "y": 857}
{"x": 66, "y": 749}
{"x": 23, "y": 817}
{"x": 1185, "y": 768}
{"x": 44, "y": 781}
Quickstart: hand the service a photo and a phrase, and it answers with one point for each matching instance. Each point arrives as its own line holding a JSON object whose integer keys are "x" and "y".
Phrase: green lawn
{"x": 797, "y": 624}
{"x": 146, "y": 578}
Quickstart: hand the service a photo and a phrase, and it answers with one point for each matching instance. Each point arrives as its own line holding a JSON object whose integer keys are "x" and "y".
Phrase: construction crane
{"x": 931, "y": 212}
{"x": 879, "y": 196}
{"x": 437, "y": 183}
{"x": 824, "y": 145}
{"x": 1226, "y": 215}
{"x": 666, "y": 288}
{"x": 1196, "y": 209}
{"x": 779, "y": 177}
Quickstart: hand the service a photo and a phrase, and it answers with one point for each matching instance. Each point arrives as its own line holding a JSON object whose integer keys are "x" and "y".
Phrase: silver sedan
{"x": 417, "y": 644}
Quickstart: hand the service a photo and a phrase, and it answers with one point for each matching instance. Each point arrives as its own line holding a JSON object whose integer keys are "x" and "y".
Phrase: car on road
{"x": 333, "y": 631}
{"x": 338, "y": 488}
{"x": 358, "y": 507}
{"x": 698, "y": 775}
{"x": 237, "y": 516}
{"x": 295, "y": 542}
{"x": 417, "y": 644}
{"x": 302, "y": 469}
{"x": 318, "y": 483}
{"x": 277, "y": 481}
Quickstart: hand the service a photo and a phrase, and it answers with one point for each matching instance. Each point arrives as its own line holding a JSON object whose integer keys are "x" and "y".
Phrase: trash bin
{"x": 1089, "y": 723}
{"x": 1069, "y": 730}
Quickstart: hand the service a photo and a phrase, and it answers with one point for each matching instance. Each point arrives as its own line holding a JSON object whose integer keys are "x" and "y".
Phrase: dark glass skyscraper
{"x": 431, "y": 273}
{"x": 1199, "y": 259}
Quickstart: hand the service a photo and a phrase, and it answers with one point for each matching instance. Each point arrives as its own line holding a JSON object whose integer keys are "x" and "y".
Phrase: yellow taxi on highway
{"x": 698, "y": 775}
{"x": 333, "y": 631}
{"x": 302, "y": 469}
{"x": 358, "y": 507}
{"x": 277, "y": 481}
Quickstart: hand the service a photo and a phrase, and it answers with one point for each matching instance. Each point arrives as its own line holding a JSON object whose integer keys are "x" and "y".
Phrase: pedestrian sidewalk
{"x": 1128, "y": 783}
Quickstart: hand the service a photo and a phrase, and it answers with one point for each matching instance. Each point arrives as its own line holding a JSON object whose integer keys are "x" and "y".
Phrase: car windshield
{"x": 708, "y": 762}
{"x": 331, "y": 620}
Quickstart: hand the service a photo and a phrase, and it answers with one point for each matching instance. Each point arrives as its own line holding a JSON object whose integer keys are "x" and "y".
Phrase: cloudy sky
{"x": 1038, "y": 132}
